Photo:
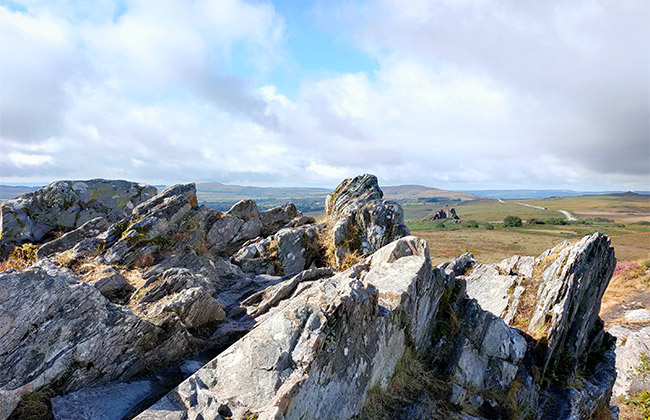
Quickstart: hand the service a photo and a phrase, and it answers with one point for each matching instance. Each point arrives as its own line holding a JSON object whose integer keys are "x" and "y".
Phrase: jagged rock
{"x": 58, "y": 331}
{"x": 361, "y": 222}
{"x": 566, "y": 285}
{"x": 137, "y": 239}
{"x": 352, "y": 191}
{"x": 631, "y": 346}
{"x": 91, "y": 403}
{"x": 224, "y": 230}
{"x": 194, "y": 306}
{"x": 460, "y": 264}
{"x": 88, "y": 230}
{"x": 113, "y": 285}
{"x": 317, "y": 356}
{"x": 568, "y": 301}
{"x": 288, "y": 252}
{"x": 274, "y": 219}
{"x": 66, "y": 205}
{"x": 244, "y": 209}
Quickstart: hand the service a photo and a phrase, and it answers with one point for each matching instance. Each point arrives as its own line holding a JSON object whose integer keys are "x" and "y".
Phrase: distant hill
{"x": 219, "y": 189}
{"x": 520, "y": 194}
{"x": 7, "y": 192}
{"x": 422, "y": 193}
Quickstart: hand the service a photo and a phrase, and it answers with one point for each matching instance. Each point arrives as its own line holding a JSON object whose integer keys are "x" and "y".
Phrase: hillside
{"x": 422, "y": 193}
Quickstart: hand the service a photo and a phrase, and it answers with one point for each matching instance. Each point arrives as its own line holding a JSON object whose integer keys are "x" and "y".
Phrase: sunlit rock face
{"x": 260, "y": 300}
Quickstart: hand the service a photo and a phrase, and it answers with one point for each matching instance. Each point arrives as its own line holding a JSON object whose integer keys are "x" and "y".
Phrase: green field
{"x": 620, "y": 216}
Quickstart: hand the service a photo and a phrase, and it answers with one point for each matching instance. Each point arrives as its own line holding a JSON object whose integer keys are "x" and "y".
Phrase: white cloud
{"x": 24, "y": 159}
{"x": 466, "y": 94}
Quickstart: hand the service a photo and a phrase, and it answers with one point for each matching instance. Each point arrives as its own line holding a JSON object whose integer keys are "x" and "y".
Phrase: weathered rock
{"x": 288, "y": 252}
{"x": 631, "y": 346}
{"x": 88, "y": 230}
{"x": 568, "y": 301}
{"x": 352, "y": 191}
{"x": 318, "y": 355}
{"x": 108, "y": 402}
{"x": 274, "y": 219}
{"x": 66, "y": 205}
{"x": 360, "y": 221}
{"x": 244, "y": 209}
{"x": 137, "y": 240}
{"x": 58, "y": 331}
{"x": 194, "y": 306}
{"x": 442, "y": 214}
{"x": 113, "y": 285}
{"x": 460, "y": 264}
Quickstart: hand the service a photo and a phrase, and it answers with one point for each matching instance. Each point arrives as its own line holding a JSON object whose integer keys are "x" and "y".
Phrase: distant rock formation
{"x": 290, "y": 334}
{"x": 443, "y": 213}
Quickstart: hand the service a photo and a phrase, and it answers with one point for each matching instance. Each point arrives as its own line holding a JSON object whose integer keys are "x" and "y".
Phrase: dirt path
{"x": 568, "y": 215}
{"x": 564, "y": 212}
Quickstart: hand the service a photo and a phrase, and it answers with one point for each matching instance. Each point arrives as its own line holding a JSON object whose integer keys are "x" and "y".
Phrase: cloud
{"x": 466, "y": 94}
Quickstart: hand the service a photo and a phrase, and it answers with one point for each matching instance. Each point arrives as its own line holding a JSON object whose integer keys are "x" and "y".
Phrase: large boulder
{"x": 66, "y": 205}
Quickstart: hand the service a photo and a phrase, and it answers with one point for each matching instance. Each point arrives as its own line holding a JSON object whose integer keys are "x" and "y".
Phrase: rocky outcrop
{"x": 556, "y": 299}
{"x": 319, "y": 354}
{"x": 359, "y": 220}
{"x": 442, "y": 214}
{"x": 60, "y": 332}
{"x": 88, "y": 230}
{"x": 65, "y": 205}
{"x": 291, "y": 337}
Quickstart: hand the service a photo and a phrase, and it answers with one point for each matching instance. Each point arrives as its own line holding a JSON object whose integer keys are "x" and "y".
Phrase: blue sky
{"x": 453, "y": 94}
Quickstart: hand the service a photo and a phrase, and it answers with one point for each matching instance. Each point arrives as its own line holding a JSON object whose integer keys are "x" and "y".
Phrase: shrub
{"x": 471, "y": 223}
{"x": 644, "y": 223}
{"x": 534, "y": 221}
{"x": 556, "y": 221}
{"x": 440, "y": 225}
{"x": 512, "y": 221}
{"x": 489, "y": 226}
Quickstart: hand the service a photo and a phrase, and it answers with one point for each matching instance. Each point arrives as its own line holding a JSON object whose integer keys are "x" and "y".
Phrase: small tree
{"x": 512, "y": 221}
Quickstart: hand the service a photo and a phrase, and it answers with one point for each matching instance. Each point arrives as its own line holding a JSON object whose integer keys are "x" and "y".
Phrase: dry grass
{"x": 34, "y": 406}
{"x": 20, "y": 258}
{"x": 630, "y": 283}
{"x": 412, "y": 376}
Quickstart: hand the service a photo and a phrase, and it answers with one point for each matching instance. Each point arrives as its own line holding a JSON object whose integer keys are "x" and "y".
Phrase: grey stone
{"x": 66, "y": 205}
{"x": 274, "y": 219}
{"x": 113, "y": 286}
{"x": 57, "y": 330}
{"x": 318, "y": 354}
{"x": 628, "y": 354}
{"x": 109, "y": 402}
{"x": 638, "y": 315}
{"x": 244, "y": 209}
{"x": 352, "y": 191}
{"x": 88, "y": 230}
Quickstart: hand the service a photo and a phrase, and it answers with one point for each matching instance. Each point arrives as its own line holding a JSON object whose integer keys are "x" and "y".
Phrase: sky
{"x": 455, "y": 94}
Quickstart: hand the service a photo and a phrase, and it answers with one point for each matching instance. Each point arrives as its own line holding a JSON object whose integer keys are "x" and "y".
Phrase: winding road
{"x": 564, "y": 212}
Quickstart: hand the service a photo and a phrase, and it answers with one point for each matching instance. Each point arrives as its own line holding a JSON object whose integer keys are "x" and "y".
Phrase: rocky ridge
{"x": 285, "y": 331}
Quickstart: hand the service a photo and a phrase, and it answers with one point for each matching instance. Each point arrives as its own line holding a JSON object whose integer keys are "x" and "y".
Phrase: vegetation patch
{"x": 20, "y": 258}
{"x": 412, "y": 376}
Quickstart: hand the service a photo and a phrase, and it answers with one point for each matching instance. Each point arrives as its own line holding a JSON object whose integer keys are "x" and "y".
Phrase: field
{"x": 623, "y": 217}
